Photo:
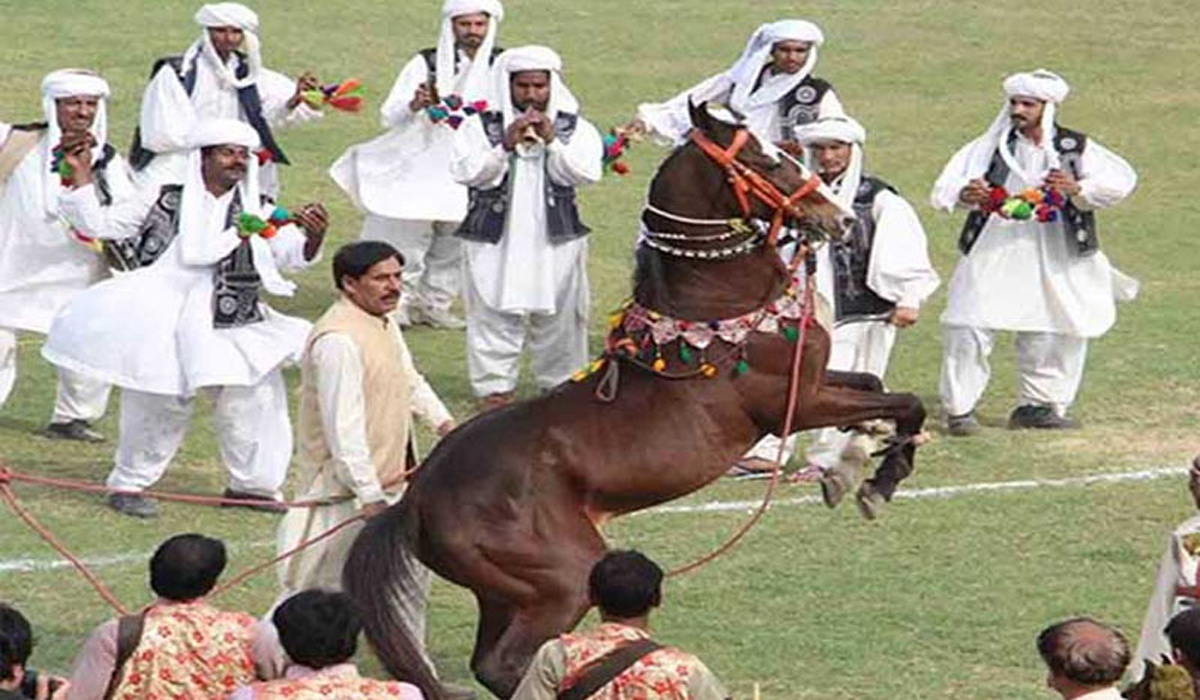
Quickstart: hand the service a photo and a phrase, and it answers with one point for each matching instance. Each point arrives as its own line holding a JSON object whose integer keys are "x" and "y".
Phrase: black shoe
{"x": 253, "y": 502}
{"x": 1043, "y": 417}
{"x": 77, "y": 429}
{"x": 133, "y": 504}
{"x": 962, "y": 426}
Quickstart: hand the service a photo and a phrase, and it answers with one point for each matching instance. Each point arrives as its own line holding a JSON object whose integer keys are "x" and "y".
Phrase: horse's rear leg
{"x": 510, "y": 632}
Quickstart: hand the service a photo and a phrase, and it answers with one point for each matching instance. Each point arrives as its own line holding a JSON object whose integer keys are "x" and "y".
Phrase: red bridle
{"x": 746, "y": 181}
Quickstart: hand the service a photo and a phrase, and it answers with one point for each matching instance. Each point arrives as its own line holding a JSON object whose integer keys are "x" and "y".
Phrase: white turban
{"x": 228, "y": 14}
{"x": 757, "y": 54}
{"x": 845, "y": 130}
{"x": 1041, "y": 85}
{"x": 61, "y": 84}
{"x": 527, "y": 58}
{"x": 473, "y": 83}
{"x": 201, "y": 245}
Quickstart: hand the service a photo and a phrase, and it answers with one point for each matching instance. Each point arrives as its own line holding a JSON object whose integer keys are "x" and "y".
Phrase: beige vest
{"x": 387, "y": 397}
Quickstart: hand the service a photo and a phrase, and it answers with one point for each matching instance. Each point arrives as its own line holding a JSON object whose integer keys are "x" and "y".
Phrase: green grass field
{"x": 939, "y": 599}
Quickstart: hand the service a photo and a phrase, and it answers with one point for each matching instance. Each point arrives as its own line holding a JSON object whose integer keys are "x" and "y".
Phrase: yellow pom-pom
{"x": 708, "y": 370}
{"x": 659, "y": 365}
{"x": 615, "y": 320}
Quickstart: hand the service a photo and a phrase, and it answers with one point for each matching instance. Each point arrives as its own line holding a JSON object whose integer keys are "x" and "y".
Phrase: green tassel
{"x": 741, "y": 367}
{"x": 685, "y": 353}
{"x": 791, "y": 333}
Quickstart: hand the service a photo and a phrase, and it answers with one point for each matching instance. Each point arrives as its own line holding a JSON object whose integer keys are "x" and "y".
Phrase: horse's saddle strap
{"x": 603, "y": 670}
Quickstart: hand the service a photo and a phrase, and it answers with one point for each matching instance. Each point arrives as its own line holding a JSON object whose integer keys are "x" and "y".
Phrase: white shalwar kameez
{"x": 1027, "y": 277}
{"x": 169, "y": 114}
{"x": 151, "y": 332}
{"x": 899, "y": 271}
{"x": 526, "y": 288}
{"x": 402, "y": 178}
{"x": 42, "y": 264}
{"x": 747, "y": 87}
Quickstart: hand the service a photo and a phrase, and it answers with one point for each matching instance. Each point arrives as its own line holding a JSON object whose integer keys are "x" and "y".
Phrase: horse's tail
{"x": 379, "y": 575}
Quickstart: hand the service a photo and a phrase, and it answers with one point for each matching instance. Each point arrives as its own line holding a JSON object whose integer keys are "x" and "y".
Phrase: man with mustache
{"x": 188, "y": 316}
{"x": 359, "y": 393}
{"x": 771, "y": 85}
{"x": 42, "y": 263}
{"x": 1031, "y": 257}
{"x": 401, "y": 180}
{"x": 526, "y": 247}
{"x": 220, "y": 76}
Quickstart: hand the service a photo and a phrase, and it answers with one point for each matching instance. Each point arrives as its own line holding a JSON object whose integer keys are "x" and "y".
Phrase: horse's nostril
{"x": 847, "y": 222}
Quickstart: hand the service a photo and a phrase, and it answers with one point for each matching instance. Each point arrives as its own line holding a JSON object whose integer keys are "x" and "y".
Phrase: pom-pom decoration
{"x": 59, "y": 164}
{"x": 452, "y": 110}
{"x": 1040, "y": 204}
{"x": 615, "y": 145}
{"x": 346, "y": 96}
{"x": 252, "y": 225}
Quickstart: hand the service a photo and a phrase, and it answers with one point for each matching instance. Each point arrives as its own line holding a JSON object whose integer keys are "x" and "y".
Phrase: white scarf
{"x": 228, "y": 14}
{"x": 1041, "y": 85}
{"x": 58, "y": 85}
{"x": 527, "y": 58}
{"x": 745, "y": 72}
{"x": 200, "y": 246}
{"x": 473, "y": 83}
{"x": 845, "y": 130}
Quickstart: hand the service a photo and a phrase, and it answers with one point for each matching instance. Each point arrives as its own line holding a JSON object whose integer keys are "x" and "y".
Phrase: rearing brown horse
{"x": 508, "y": 505}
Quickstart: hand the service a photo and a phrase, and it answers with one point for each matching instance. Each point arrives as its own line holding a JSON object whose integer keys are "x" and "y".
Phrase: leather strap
{"x": 129, "y": 635}
{"x": 603, "y": 670}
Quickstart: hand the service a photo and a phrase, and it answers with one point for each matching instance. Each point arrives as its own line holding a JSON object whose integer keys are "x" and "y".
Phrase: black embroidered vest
{"x": 236, "y": 284}
{"x": 802, "y": 105}
{"x": 850, "y": 257}
{"x": 487, "y": 209}
{"x": 248, "y": 98}
{"x": 430, "y": 56}
{"x": 1078, "y": 225}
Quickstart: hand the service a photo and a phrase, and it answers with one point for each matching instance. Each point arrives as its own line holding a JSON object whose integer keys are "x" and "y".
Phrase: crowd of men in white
{"x": 142, "y": 277}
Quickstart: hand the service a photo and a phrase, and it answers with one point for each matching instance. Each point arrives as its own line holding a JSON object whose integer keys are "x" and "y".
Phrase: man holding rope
{"x": 360, "y": 390}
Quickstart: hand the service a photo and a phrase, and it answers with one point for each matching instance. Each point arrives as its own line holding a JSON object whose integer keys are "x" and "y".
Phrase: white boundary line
{"x": 38, "y": 565}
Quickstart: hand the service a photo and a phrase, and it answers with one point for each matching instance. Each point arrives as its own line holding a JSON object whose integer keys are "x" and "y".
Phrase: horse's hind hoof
{"x": 870, "y": 502}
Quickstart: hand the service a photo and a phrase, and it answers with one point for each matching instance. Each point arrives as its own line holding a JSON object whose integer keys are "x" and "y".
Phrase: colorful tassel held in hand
{"x": 452, "y": 110}
{"x": 346, "y": 96}
{"x": 615, "y": 145}
{"x": 251, "y": 225}
{"x": 59, "y": 164}
{"x": 1042, "y": 204}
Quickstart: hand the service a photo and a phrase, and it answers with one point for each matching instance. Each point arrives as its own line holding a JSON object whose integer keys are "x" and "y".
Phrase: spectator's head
{"x": 16, "y": 644}
{"x": 186, "y": 567}
{"x": 369, "y": 273}
{"x": 1184, "y": 633}
{"x": 1082, "y": 655}
{"x": 625, "y": 585}
{"x": 318, "y": 628}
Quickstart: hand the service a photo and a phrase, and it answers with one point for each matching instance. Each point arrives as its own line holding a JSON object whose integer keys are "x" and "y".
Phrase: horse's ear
{"x": 699, "y": 115}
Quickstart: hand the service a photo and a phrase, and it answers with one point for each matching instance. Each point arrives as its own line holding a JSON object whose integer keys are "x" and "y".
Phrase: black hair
{"x": 186, "y": 567}
{"x": 16, "y": 640}
{"x": 625, "y": 584}
{"x": 1085, "y": 651}
{"x": 318, "y": 628}
{"x": 354, "y": 259}
{"x": 1184, "y": 632}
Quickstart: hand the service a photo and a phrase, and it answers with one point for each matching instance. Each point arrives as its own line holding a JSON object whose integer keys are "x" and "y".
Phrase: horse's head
{"x": 712, "y": 216}
{"x": 789, "y": 191}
